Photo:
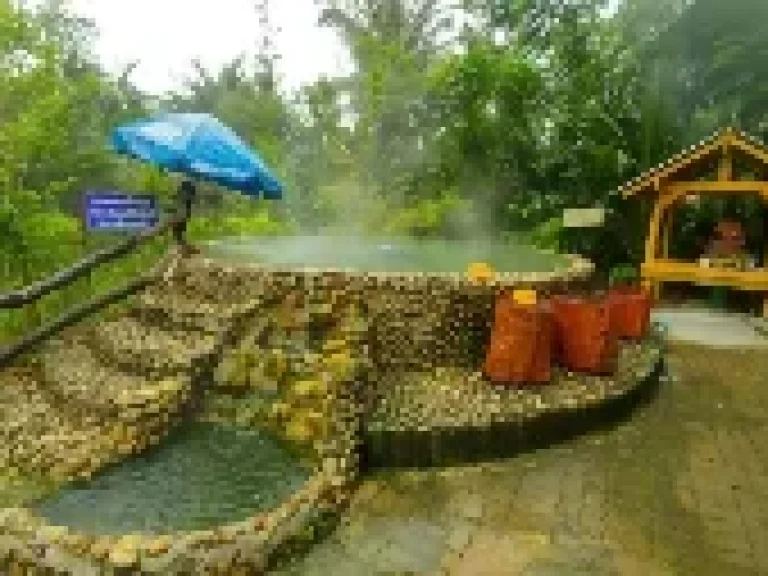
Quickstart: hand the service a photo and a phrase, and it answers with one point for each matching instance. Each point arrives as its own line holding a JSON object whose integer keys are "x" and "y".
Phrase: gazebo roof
{"x": 717, "y": 142}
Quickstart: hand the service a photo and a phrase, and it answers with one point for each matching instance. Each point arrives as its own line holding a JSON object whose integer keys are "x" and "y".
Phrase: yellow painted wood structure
{"x": 707, "y": 168}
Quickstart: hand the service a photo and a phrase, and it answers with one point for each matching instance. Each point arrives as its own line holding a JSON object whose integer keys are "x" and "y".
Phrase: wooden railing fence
{"x": 63, "y": 278}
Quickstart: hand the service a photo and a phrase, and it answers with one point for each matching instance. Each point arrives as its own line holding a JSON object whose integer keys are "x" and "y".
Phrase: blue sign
{"x": 115, "y": 211}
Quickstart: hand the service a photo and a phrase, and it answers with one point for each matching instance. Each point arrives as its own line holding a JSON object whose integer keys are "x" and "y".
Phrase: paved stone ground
{"x": 712, "y": 328}
{"x": 681, "y": 488}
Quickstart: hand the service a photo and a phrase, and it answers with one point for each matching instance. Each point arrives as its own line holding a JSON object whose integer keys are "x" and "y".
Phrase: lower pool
{"x": 201, "y": 476}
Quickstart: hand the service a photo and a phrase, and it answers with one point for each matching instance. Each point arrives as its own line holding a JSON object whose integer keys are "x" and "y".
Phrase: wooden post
{"x": 651, "y": 242}
{"x": 765, "y": 306}
{"x": 84, "y": 244}
{"x": 765, "y": 263}
{"x": 725, "y": 166}
{"x": 666, "y": 235}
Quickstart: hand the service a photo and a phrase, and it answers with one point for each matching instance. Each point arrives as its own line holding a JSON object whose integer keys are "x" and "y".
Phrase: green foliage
{"x": 716, "y": 51}
{"x": 431, "y": 217}
{"x": 548, "y": 235}
{"x": 434, "y": 133}
{"x": 259, "y": 224}
{"x": 623, "y": 274}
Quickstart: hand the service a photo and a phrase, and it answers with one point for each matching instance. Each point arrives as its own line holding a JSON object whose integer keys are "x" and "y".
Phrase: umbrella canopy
{"x": 198, "y": 145}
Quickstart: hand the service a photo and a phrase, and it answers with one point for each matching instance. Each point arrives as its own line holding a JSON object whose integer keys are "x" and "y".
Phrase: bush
{"x": 44, "y": 242}
{"x": 623, "y": 274}
{"x": 427, "y": 217}
{"x": 259, "y": 224}
{"x": 548, "y": 235}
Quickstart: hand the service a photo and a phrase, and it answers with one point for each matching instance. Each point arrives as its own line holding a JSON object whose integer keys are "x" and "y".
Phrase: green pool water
{"x": 384, "y": 254}
{"x": 203, "y": 475}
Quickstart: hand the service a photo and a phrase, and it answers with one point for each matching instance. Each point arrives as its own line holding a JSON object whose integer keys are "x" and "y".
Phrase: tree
{"x": 391, "y": 42}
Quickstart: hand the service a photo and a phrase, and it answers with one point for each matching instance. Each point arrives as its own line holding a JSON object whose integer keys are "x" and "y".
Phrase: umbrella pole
{"x": 185, "y": 199}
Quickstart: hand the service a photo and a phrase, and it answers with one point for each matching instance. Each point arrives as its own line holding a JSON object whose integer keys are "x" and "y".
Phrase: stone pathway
{"x": 681, "y": 488}
{"x": 710, "y": 327}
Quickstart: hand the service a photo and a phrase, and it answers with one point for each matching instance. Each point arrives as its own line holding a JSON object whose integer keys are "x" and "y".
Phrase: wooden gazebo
{"x": 728, "y": 162}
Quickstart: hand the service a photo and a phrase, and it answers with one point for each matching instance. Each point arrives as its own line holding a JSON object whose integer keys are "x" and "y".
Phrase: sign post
{"x": 115, "y": 212}
{"x": 579, "y": 219}
{"x": 119, "y": 212}
{"x": 583, "y": 217}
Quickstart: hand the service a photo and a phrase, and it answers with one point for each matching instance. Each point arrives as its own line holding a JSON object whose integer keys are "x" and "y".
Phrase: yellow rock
{"x": 280, "y": 409}
{"x": 480, "y": 271}
{"x": 123, "y": 556}
{"x": 76, "y": 543}
{"x": 53, "y": 534}
{"x": 297, "y": 430}
{"x": 125, "y": 551}
{"x": 223, "y": 536}
{"x": 125, "y": 397}
{"x": 158, "y": 545}
{"x": 309, "y": 388}
{"x": 335, "y": 345}
{"x": 338, "y": 364}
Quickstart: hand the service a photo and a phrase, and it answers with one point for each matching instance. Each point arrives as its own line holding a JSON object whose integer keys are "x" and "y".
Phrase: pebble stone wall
{"x": 312, "y": 360}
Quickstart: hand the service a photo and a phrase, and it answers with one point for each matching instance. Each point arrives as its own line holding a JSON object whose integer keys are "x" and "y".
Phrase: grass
{"x": 40, "y": 263}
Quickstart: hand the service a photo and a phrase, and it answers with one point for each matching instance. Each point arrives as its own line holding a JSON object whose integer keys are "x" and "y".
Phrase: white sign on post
{"x": 583, "y": 217}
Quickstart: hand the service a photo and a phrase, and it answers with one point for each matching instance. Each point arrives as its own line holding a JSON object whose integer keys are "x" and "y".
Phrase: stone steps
{"x": 78, "y": 382}
{"x": 37, "y": 434}
{"x": 198, "y": 278}
{"x": 146, "y": 350}
{"x": 174, "y": 311}
{"x": 112, "y": 389}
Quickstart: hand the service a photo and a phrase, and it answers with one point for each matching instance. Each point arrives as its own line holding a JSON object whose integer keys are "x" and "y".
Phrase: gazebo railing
{"x": 668, "y": 270}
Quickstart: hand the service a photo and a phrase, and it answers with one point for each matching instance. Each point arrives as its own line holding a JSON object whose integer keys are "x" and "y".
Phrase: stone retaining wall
{"x": 43, "y": 438}
{"x": 30, "y": 546}
{"x": 311, "y": 362}
{"x": 412, "y": 321}
{"x": 317, "y": 327}
{"x": 456, "y": 416}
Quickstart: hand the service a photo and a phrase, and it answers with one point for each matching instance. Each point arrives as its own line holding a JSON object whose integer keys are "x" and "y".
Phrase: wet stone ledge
{"x": 30, "y": 546}
{"x": 453, "y": 415}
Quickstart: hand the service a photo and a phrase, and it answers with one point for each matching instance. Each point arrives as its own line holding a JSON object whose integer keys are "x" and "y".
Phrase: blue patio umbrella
{"x": 200, "y": 146}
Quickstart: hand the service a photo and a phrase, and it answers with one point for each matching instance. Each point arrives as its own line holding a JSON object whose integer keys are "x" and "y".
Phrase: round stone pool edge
{"x": 457, "y": 445}
{"x": 27, "y": 542}
{"x": 576, "y": 268}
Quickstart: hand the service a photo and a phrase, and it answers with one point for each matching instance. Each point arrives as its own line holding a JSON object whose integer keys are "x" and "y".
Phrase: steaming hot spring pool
{"x": 396, "y": 254}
